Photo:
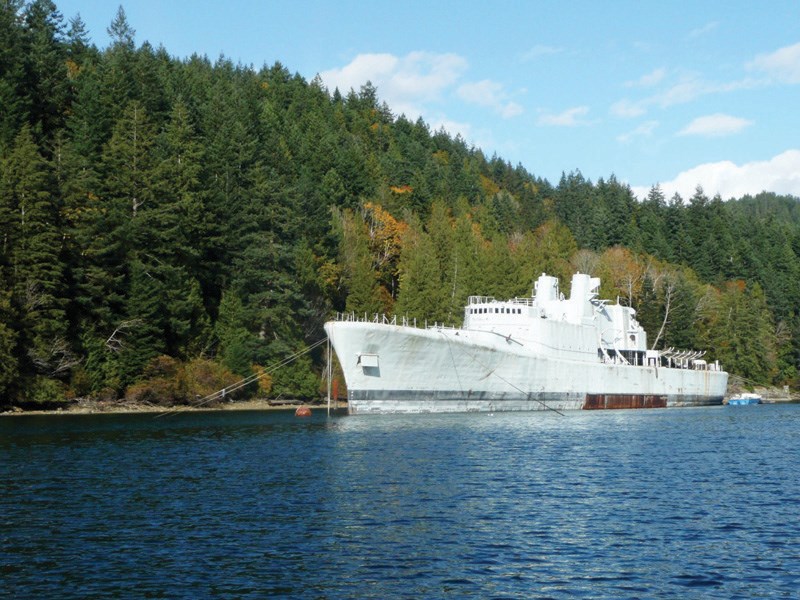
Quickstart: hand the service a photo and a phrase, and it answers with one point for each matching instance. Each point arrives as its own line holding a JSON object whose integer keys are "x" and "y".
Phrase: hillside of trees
{"x": 169, "y": 226}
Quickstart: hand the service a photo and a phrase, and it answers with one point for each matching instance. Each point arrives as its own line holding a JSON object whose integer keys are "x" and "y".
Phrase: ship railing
{"x": 384, "y": 319}
{"x": 492, "y": 300}
{"x": 663, "y": 359}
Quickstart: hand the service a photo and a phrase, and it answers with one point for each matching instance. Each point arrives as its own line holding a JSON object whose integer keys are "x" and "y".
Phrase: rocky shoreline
{"x": 86, "y": 406}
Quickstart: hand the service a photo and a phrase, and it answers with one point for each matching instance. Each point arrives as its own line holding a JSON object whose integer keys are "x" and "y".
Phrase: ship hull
{"x": 400, "y": 369}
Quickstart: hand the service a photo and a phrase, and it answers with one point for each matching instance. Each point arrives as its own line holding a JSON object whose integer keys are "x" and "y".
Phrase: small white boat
{"x": 743, "y": 399}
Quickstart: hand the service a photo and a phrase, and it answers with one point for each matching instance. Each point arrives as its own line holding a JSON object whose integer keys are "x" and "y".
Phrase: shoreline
{"x": 85, "y": 406}
{"x": 88, "y": 406}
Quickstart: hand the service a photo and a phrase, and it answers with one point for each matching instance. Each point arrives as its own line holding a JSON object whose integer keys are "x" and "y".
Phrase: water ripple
{"x": 626, "y": 504}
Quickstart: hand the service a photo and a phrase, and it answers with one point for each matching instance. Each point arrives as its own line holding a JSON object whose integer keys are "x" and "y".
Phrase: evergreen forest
{"x": 170, "y": 226}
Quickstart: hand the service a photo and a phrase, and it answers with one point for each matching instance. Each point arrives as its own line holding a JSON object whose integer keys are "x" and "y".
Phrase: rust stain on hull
{"x": 611, "y": 401}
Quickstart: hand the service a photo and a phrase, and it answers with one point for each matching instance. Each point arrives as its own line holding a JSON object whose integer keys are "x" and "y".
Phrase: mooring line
{"x": 501, "y": 378}
{"x": 244, "y": 382}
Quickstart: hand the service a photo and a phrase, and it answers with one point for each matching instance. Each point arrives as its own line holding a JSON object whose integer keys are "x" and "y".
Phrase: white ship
{"x": 538, "y": 353}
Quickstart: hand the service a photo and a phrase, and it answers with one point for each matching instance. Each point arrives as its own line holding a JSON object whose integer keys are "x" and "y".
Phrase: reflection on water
{"x": 664, "y": 503}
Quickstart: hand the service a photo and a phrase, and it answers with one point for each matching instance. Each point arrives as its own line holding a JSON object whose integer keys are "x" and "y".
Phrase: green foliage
{"x": 744, "y": 337}
{"x": 45, "y": 393}
{"x": 169, "y": 382}
{"x": 360, "y": 278}
{"x": 9, "y": 367}
{"x": 422, "y": 294}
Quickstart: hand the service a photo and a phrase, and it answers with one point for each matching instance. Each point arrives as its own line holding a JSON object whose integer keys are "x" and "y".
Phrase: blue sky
{"x": 678, "y": 94}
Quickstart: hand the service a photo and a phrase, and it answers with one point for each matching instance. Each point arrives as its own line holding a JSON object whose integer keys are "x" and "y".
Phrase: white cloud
{"x": 510, "y": 109}
{"x": 686, "y": 90}
{"x": 648, "y": 79}
{"x": 363, "y": 68}
{"x": 454, "y": 128}
{"x": 568, "y": 118}
{"x": 717, "y": 125}
{"x": 540, "y": 50}
{"x": 701, "y": 31}
{"x": 780, "y": 174}
{"x": 491, "y": 94}
{"x": 783, "y": 65}
{"x": 688, "y": 87}
{"x": 644, "y": 130}
{"x": 627, "y": 109}
{"x": 406, "y": 83}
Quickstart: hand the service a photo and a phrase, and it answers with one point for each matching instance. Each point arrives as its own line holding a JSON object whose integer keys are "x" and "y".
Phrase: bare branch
{"x": 113, "y": 342}
{"x": 668, "y": 289}
{"x": 55, "y": 359}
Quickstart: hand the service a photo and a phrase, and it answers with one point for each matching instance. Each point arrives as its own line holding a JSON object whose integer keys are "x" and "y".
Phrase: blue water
{"x": 678, "y": 503}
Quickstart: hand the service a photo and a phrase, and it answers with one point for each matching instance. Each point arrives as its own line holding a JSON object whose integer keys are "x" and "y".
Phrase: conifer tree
{"x": 143, "y": 339}
{"x": 744, "y": 339}
{"x": 175, "y": 229}
{"x": 45, "y": 68}
{"x": 9, "y": 362}
{"x": 652, "y": 226}
{"x": 112, "y": 230}
{"x": 422, "y": 295}
{"x": 359, "y": 275}
{"x": 235, "y": 344}
{"x": 31, "y": 255}
{"x": 14, "y": 95}
{"x": 118, "y": 87}
{"x": 467, "y": 246}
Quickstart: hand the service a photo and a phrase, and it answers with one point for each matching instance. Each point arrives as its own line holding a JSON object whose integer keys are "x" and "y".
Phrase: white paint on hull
{"x": 459, "y": 370}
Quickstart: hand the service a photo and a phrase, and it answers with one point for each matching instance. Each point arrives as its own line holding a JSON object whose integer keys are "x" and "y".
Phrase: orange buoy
{"x": 302, "y": 411}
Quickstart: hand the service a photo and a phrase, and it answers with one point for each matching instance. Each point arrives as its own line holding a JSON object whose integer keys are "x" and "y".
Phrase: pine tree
{"x": 652, "y": 226}
{"x": 31, "y": 254}
{"x": 359, "y": 276}
{"x": 235, "y": 344}
{"x": 14, "y": 96}
{"x": 744, "y": 339}
{"x": 46, "y": 72}
{"x": 174, "y": 232}
{"x": 118, "y": 87}
{"x": 143, "y": 338}
{"x": 422, "y": 295}
{"x": 680, "y": 331}
{"x": 9, "y": 362}
{"x": 110, "y": 227}
{"x": 467, "y": 245}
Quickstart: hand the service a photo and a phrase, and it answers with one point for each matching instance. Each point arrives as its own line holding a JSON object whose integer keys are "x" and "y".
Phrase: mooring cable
{"x": 244, "y": 382}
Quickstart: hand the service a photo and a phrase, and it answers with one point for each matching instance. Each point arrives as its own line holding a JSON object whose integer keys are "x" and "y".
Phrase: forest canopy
{"x": 169, "y": 226}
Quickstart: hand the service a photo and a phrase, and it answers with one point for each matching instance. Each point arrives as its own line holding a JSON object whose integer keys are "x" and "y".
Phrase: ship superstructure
{"x": 546, "y": 351}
